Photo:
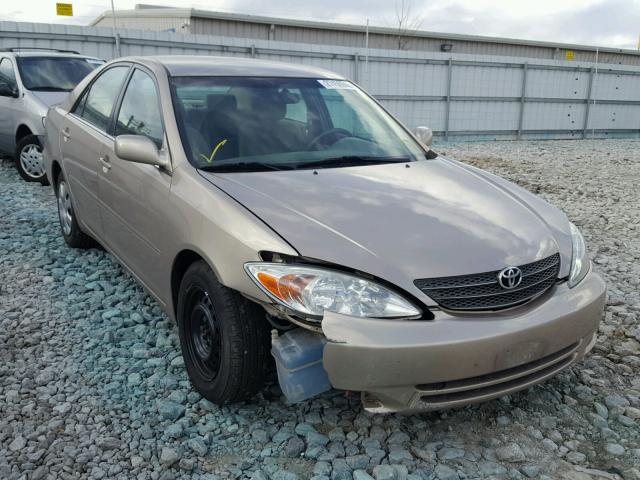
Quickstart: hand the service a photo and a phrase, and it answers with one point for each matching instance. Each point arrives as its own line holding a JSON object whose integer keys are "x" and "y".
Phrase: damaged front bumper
{"x": 454, "y": 360}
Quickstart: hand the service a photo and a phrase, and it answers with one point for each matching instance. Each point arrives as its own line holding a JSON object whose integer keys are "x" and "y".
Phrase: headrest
{"x": 270, "y": 107}
{"x": 221, "y": 101}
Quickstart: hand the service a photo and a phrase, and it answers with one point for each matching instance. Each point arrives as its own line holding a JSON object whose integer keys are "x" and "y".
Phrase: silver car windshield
{"x": 240, "y": 123}
{"x": 54, "y": 74}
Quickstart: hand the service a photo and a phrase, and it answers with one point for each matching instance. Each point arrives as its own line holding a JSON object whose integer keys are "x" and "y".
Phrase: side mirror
{"x": 7, "y": 90}
{"x": 140, "y": 149}
{"x": 424, "y": 135}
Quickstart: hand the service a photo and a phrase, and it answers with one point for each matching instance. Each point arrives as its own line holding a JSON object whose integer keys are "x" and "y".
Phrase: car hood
{"x": 50, "y": 98}
{"x": 401, "y": 222}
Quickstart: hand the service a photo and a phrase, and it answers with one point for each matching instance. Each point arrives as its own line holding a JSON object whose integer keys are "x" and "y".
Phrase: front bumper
{"x": 454, "y": 360}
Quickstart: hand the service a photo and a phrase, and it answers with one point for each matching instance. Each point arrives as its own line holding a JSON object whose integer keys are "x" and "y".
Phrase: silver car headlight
{"x": 310, "y": 291}
{"x": 579, "y": 260}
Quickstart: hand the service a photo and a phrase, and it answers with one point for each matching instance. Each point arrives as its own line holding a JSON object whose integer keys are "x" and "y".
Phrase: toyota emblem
{"x": 510, "y": 277}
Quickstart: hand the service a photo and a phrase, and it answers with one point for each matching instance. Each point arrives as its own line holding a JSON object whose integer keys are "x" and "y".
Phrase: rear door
{"x": 84, "y": 138}
{"x": 8, "y": 107}
{"x": 134, "y": 196}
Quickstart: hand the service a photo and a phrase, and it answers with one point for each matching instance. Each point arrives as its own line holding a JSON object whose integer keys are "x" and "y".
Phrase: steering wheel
{"x": 327, "y": 133}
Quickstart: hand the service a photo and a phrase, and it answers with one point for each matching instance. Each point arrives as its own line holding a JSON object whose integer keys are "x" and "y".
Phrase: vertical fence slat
{"x": 447, "y": 113}
{"x": 523, "y": 98}
{"x": 588, "y": 106}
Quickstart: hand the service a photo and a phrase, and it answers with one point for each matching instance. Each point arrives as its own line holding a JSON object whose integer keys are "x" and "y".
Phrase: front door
{"x": 133, "y": 196}
{"x": 9, "y": 107}
{"x": 84, "y": 138}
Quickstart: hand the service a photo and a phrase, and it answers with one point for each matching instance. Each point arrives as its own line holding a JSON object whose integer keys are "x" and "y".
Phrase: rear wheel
{"x": 29, "y": 162}
{"x": 223, "y": 336}
{"x": 71, "y": 231}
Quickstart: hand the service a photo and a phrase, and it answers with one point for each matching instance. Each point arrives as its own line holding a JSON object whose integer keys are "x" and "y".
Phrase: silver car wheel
{"x": 31, "y": 161}
{"x": 65, "y": 211}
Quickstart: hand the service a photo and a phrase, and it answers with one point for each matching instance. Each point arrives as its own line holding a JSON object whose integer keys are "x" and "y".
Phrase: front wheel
{"x": 71, "y": 231}
{"x": 29, "y": 162}
{"x": 224, "y": 338}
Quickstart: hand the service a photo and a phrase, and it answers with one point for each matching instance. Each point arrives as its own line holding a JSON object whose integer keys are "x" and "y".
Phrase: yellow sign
{"x": 568, "y": 55}
{"x": 64, "y": 9}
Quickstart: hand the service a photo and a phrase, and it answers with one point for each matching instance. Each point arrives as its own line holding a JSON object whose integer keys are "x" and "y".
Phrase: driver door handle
{"x": 106, "y": 165}
{"x": 65, "y": 134}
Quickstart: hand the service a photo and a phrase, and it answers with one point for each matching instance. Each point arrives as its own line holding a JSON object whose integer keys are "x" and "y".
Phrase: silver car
{"x": 31, "y": 80}
{"x": 279, "y": 208}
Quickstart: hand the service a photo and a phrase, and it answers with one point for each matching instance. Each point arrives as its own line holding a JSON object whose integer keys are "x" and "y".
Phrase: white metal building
{"x": 192, "y": 21}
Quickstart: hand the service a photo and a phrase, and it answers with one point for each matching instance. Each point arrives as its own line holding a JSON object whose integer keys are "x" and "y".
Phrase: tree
{"x": 406, "y": 20}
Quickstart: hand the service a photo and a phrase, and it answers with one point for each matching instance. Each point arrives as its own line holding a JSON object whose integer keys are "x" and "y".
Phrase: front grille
{"x": 482, "y": 291}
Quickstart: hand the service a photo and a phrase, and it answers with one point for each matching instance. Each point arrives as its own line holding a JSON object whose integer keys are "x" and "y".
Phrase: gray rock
{"x": 336, "y": 435}
{"x": 615, "y": 449}
{"x": 340, "y": 470}
{"x": 17, "y": 444}
{"x": 259, "y": 475}
{"x": 576, "y": 457}
{"x": 612, "y": 401}
{"x": 284, "y": 475}
{"x": 510, "y": 453}
{"x": 384, "y": 472}
{"x": 134, "y": 379}
{"x": 170, "y": 410}
{"x": 361, "y": 475}
{"x": 168, "y": 456}
{"x": 530, "y": 471}
{"x": 198, "y": 446}
{"x": 357, "y": 462}
{"x": 294, "y": 447}
{"x": 398, "y": 438}
{"x": 601, "y": 410}
{"x": 443, "y": 472}
{"x": 450, "y": 453}
{"x": 175, "y": 430}
{"x": 400, "y": 455}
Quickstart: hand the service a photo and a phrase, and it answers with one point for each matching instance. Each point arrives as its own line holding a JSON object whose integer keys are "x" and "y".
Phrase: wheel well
{"x": 22, "y": 132}
{"x": 180, "y": 265}
{"x": 55, "y": 172}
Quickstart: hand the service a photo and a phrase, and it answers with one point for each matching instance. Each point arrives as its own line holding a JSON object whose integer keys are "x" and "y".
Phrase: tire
{"x": 29, "y": 162}
{"x": 224, "y": 338}
{"x": 71, "y": 231}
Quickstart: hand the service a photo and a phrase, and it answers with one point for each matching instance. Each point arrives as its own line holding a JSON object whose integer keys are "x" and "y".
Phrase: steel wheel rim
{"x": 65, "y": 212}
{"x": 203, "y": 333}
{"x": 31, "y": 161}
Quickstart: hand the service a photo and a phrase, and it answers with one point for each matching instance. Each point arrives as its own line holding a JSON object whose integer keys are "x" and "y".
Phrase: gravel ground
{"x": 92, "y": 384}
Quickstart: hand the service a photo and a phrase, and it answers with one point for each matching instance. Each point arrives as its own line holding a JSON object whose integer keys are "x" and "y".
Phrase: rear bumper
{"x": 408, "y": 366}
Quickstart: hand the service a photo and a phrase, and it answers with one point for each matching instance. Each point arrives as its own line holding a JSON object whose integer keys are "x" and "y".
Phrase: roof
{"x": 45, "y": 53}
{"x": 194, "y": 65}
{"x": 146, "y": 11}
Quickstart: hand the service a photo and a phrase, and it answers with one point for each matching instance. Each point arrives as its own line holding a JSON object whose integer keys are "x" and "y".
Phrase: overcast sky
{"x": 612, "y": 23}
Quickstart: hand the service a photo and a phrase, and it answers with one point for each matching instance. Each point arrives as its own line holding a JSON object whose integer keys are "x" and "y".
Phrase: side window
{"x": 98, "y": 104}
{"x": 341, "y": 113}
{"x": 7, "y": 74}
{"x": 140, "y": 113}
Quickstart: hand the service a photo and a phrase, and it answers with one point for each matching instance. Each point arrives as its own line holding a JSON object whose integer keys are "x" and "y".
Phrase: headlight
{"x": 311, "y": 291}
{"x": 579, "y": 260}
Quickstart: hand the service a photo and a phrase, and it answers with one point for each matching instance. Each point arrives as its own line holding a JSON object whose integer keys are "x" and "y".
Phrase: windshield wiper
{"x": 352, "y": 160}
{"x": 49, "y": 88}
{"x": 243, "y": 167}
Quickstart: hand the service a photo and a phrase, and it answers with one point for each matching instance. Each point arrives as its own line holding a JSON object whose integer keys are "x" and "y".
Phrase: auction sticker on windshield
{"x": 337, "y": 84}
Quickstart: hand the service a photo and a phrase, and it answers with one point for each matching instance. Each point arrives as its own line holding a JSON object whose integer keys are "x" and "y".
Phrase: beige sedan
{"x": 275, "y": 208}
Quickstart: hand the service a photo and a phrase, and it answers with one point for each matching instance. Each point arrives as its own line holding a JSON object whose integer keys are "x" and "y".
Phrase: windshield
{"x": 243, "y": 123}
{"x": 54, "y": 74}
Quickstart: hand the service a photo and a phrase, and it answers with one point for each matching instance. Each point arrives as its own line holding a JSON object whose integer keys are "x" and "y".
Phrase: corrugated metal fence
{"x": 460, "y": 96}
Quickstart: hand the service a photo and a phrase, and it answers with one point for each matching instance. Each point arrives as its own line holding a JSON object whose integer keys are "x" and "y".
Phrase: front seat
{"x": 264, "y": 127}
{"x": 220, "y": 124}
